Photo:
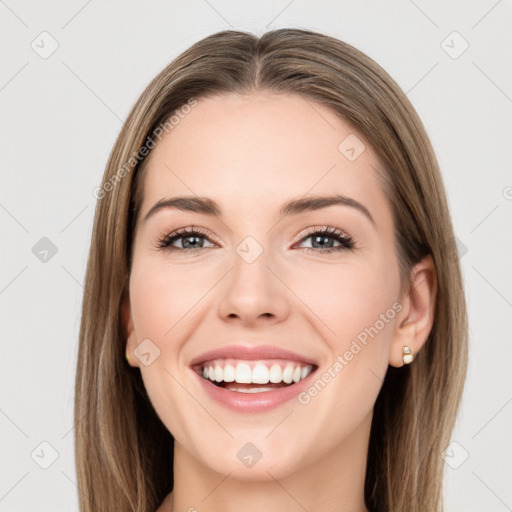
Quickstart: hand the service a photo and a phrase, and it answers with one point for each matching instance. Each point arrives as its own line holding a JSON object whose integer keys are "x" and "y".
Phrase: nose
{"x": 253, "y": 293}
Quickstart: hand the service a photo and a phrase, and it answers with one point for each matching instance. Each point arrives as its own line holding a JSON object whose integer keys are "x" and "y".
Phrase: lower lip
{"x": 253, "y": 402}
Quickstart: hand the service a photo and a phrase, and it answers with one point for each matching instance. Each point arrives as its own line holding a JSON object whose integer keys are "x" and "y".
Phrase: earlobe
{"x": 416, "y": 319}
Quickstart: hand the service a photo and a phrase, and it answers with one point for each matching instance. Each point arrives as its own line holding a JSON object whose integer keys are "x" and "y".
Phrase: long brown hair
{"x": 124, "y": 454}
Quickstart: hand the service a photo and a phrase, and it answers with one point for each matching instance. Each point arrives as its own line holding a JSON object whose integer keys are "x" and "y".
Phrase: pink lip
{"x": 251, "y": 402}
{"x": 251, "y": 353}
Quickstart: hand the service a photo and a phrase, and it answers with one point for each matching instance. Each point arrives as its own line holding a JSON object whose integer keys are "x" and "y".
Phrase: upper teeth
{"x": 261, "y": 373}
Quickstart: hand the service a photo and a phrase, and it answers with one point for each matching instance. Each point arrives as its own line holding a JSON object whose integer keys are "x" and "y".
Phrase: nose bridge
{"x": 252, "y": 290}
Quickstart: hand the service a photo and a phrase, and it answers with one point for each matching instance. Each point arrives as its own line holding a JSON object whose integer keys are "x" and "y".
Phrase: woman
{"x": 274, "y": 315}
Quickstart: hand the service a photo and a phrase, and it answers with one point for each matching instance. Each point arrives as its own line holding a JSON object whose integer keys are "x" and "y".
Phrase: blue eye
{"x": 319, "y": 243}
{"x": 323, "y": 240}
{"x": 192, "y": 240}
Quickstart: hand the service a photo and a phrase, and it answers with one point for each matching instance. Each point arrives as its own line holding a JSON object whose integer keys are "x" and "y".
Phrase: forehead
{"x": 258, "y": 149}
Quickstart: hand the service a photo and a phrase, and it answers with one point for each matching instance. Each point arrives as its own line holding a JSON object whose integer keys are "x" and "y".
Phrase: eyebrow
{"x": 207, "y": 206}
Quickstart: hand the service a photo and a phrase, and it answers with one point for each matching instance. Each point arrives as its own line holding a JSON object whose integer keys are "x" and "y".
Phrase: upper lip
{"x": 251, "y": 353}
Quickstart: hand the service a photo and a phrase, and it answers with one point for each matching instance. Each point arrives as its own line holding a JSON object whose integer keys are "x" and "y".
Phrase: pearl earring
{"x": 407, "y": 356}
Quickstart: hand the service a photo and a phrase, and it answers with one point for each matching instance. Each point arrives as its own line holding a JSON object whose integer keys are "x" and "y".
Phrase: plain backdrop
{"x": 71, "y": 71}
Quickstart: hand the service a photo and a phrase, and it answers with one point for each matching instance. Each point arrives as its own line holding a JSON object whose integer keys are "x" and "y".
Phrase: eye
{"x": 323, "y": 240}
{"x": 189, "y": 239}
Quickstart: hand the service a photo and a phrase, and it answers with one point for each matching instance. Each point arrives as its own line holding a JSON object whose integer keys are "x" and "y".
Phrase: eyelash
{"x": 347, "y": 242}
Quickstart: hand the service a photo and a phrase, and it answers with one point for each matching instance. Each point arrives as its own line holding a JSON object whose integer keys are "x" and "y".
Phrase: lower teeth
{"x": 249, "y": 388}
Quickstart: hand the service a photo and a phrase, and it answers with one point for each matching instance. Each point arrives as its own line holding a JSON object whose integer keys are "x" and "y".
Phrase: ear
{"x": 415, "y": 320}
{"x": 129, "y": 331}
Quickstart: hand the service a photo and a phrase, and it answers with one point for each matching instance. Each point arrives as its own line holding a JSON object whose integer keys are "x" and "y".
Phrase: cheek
{"x": 349, "y": 300}
{"x": 162, "y": 296}
{"x": 162, "y": 300}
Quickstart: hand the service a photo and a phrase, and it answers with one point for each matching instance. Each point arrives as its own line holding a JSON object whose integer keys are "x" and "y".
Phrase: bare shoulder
{"x": 165, "y": 506}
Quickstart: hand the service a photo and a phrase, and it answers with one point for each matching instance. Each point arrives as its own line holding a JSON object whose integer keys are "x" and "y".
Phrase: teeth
{"x": 260, "y": 373}
{"x": 251, "y": 390}
{"x": 276, "y": 375}
{"x": 243, "y": 373}
{"x": 229, "y": 373}
{"x": 288, "y": 374}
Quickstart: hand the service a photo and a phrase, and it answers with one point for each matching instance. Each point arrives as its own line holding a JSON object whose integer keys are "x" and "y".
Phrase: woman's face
{"x": 259, "y": 295}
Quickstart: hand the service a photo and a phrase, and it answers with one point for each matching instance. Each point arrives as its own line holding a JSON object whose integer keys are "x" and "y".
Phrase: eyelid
{"x": 327, "y": 230}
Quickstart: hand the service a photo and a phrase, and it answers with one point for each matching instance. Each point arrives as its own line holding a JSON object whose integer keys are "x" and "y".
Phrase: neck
{"x": 334, "y": 482}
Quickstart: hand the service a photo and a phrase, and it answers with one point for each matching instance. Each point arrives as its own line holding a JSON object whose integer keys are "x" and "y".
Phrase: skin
{"x": 251, "y": 153}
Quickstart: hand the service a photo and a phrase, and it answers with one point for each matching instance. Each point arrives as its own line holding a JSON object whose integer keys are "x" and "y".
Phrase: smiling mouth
{"x": 243, "y": 376}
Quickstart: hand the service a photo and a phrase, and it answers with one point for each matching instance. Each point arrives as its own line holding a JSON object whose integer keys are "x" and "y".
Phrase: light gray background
{"x": 62, "y": 113}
